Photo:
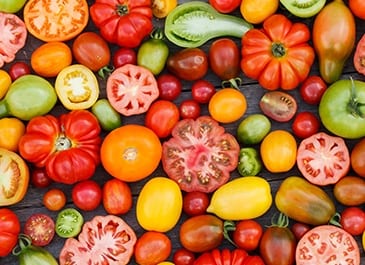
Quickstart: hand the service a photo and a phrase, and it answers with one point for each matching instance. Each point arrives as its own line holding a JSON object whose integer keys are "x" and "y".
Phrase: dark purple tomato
{"x": 40, "y": 178}
{"x": 169, "y": 86}
{"x": 195, "y": 203}
{"x": 19, "y": 69}
{"x": 299, "y": 229}
{"x": 124, "y": 56}
{"x": 312, "y": 89}
{"x": 202, "y": 90}
{"x": 189, "y": 109}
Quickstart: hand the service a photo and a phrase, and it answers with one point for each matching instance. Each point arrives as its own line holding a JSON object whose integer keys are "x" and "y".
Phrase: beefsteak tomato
{"x": 9, "y": 231}
{"x": 278, "y": 55}
{"x": 125, "y": 23}
{"x": 68, "y": 146}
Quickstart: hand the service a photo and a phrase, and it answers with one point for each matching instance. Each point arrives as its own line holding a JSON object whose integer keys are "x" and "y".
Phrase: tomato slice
{"x": 359, "y": 56}
{"x": 323, "y": 159}
{"x": 279, "y": 106}
{"x": 52, "y": 20}
{"x": 40, "y": 228}
{"x": 131, "y": 89}
{"x": 69, "y": 223}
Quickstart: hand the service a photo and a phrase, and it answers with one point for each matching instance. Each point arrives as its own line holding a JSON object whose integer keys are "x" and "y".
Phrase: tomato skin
{"x": 87, "y": 195}
{"x": 40, "y": 228}
{"x": 18, "y": 69}
{"x": 359, "y": 56}
{"x": 202, "y": 90}
{"x": 10, "y": 6}
{"x": 9, "y": 231}
{"x": 189, "y": 109}
{"x": 225, "y": 6}
{"x": 254, "y": 13}
{"x": 117, "y": 197}
{"x": 54, "y": 199}
{"x": 224, "y": 256}
{"x": 357, "y": 158}
{"x": 183, "y": 256}
{"x": 195, "y": 203}
{"x": 247, "y": 234}
{"x": 278, "y": 105}
{"x": 312, "y": 89}
{"x": 161, "y": 8}
{"x": 357, "y": 8}
{"x": 353, "y": 220}
{"x": 69, "y": 223}
{"x": 253, "y": 128}
{"x": 305, "y": 124}
{"x": 350, "y": 191}
{"x": 169, "y": 86}
{"x": 124, "y": 56}
{"x": 40, "y": 178}
{"x": 11, "y": 129}
{"x": 299, "y": 229}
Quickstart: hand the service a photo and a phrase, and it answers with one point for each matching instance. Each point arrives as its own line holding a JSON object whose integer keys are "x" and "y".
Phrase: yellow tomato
{"x": 5, "y": 82}
{"x": 166, "y": 263}
{"x": 363, "y": 240}
{"x": 159, "y": 204}
{"x": 161, "y": 8}
{"x": 256, "y": 11}
{"x": 227, "y": 105}
{"x": 278, "y": 151}
{"x": 11, "y": 130}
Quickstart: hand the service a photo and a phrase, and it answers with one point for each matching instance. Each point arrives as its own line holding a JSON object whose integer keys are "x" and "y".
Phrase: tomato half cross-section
{"x": 103, "y": 240}
{"x": 200, "y": 155}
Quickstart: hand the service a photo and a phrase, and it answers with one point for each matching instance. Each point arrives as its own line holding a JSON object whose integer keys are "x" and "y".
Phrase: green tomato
{"x": 304, "y": 9}
{"x": 342, "y": 108}
{"x": 249, "y": 163}
{"x": 11, "y": 6}
{"x": 253, "y": 129}
{"x": 107, "y": 116}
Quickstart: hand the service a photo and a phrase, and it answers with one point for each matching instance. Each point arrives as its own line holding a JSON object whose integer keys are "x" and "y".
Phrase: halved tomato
{"x": 359, "y": 56}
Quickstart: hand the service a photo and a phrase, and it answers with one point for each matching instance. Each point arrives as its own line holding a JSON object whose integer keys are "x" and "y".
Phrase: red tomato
{"x": 224, "y": 256}
{"x": 327, "y": 242}
{"x": 357, "y": 158}
{"x": 195, "y": 203}
{"x": 312, "y": 89}
{"x": 299, "y": 229}
{"x": 323, "y": 159}
{"x": 87, "y": 195}
{"x": 247, "y": 234}
{"x": 40, "y": 228}
{"x": 9, "y": 231}
{"x": 353, "y": 220}
{"x": 202, "y": 90}
{"x": 279, "y": 106}
{"x": 225, "y": 6}
{"x": 183, "y": 256}
{"x": 40, "y": 178}
{"x": 357, "y": 8}
{"x": 224, "y": 58}
{"x": 161, "y": 117}
{"x": 54, "y": 199}
{"x": 305, "y": 124}
{"x": 189, "y": 109}
{"x": 198, "y": 150}
{"x": 124, "y": 56}
{"x": 359, "y": 56}
{"x": 18, "y": 69}
{"x": 253, "y": 260}
{"x": 117, "y": 197}
{"x": 169, "y": 86}
{"x": 131, "y": 89}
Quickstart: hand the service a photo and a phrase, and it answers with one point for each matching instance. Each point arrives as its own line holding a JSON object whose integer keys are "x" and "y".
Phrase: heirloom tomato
{"x": 225, "y": 6}
{"x": 161, "y": 8}
{"x": 359, "y": 56}
{"x": 86, "y": 195}
{"x": 131, "y": 152}
{"x": 15, "y": 177}
{"x": 299, "y": 229}
{"x": 305, "y": 124}
{"x": 107, "y": 116}
{"x": 195, "y": 202}
{"x": 54, "y": 199}
{"x": 312, "y": 89}
{"x": 350, "y": 191}
{"x": 169, "y": 86}
{"x": 200, "y": 155}
{"x": 103, "y": 239}
{"x": 278, "y": 55}
{"x": 11, "y": 130}
{"x": 202, "y": 90}
{"x": 357, "y": 8}
{"x": 69, "y": 223}
{"x": 304, "y": 9}
{"x": 9, "y": 231}
{"x": 51, "y": 21}
{"x": 40, "y": 228}
{"x": 222, "y": 256}
{"x": 256, "y": 12}
{"x": 125, "y": 23}
{"x": 40, "y": 178}
{"x": 278, "y": 105}
{"x": 68, "y": 145}
{"x": 189, "y": 109}
{"x": 11, "y": 6}
{"x": 18, "y": 69}
{"x": 353, "y": 220}
{"x": 247, "y": 234}
{"x": 5, "y": 82}
{"x": 253, "y": 128}
{"x": 124, "y": 56}
{"x": 117, "y": 197}
{"x": 357, "y": 158}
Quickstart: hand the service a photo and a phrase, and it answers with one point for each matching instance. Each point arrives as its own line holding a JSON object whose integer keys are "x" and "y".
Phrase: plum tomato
{"x": 18, "y": 69}
{"x": 183, "y": 256}
{"x": 247, "y": 234}
{"x": 189, "y": 109}
{"x": 117, "y": 196}
{"x": 124, "y": 56}
{"x": 350, "y": 191}
{"x": 69, "y": 223}
{"x": 312, "y": 89}
{"x": 195, "y": 203}
{"x": 299, "y": 229}
{"x": 40, "y": 228}
{"x": 169, "y": 86}
{"x": 278, "y": 105}
{"x": 54, "y": 199}
{"x": 357, "y": 158}
{"x": 202, "y": 90}
{"x": 87, "y": 195}
{"x": 39, "y": 177}
{"x": 353, "y": 220}
{"x": 305, "y": 124}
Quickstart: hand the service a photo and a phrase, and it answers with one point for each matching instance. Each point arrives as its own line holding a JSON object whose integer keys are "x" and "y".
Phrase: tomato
{"x": 131, "y": 152}
{"x": 189, "y": 109}
{"x": 305, "y": 10}
{"x": 11, "y": 6}
{"x": 305, "y": 124}
{"x": 91, "y": 50}
{"x": 357, "y": 158}
{"x": 201, "y": 233}
{"x": 357, "y": 8}
{"x": 350, "y": 191}
{"x": 40, "y": 178}
{"x": 183, "y": 256}
{"x": 249, "y": 162}
{"x": 188, "y": 64}
{"x": 312, "y": 89}
{"x": 9, "y": 231}
{"x": 5, "y": 82}
{"x": 253, "y": 128}
{"x": 14, "y": 177}
{"x": 169, "y": 86}
{"x": 68, "y": 145}
{"x": 13, "y": 36}
{"x": 152, "y": 247}
{"x": 279, "y": 106}
{"x": 131, "y": 89}
{"x": 225, "y": 6}
{"x": 77, "y": 87}
{"x": 87, "y": 195}
{"x": 202, "y": 90}
{"x": 107, "y": 116}
{"x": 323, "y": 159}
{"x": 117, "y": 197}
{"x": 253, "y": 189}
{"x": 161, "y": 117}
{"x": 18, "y": 69}
{"x": 69, "y": 223}
{"x": 224, "y": 58}
{"x": 327, "y": 242}
{"x": 195, "y": 203}
{"x": 124, "y": 56}
{"x": 40, "y": 228}
{"x": 124, "y": 23}
{"x": 60, "y": 23}
{"x": 247, "y": 234}
{"x": 256, "y": 13}
{"x": 161, "y": 8}
{"x": 224, "y": 256}
{"x": 359, "y": 56}
{"x": 50, "y": 58}
{"x": 278, "y": 55}
{"x": 353, "y": 220}
{"x": 188, "y": 159}
{"x": 227, "y": 105}
{"x": 103, "y": 239}
{"x": 278, "y": 151}
{"x": 11, "y": 129}
{"x": 299, "y": 229}
{"x": 54, "y": 199}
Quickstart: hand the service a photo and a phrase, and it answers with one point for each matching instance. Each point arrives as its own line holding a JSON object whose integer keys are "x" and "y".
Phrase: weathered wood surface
{"x": 32, "y": 203}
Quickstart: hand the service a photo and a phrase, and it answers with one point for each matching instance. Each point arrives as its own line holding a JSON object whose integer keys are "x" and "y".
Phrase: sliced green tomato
{"x": 303, "y": 8}
{"x": 69, "y": 223}
{"x": 107, "y": 116}
{"x": 249, "y": 163}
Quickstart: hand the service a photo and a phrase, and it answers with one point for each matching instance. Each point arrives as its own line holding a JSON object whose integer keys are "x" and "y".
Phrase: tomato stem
{"x": 229, "y": 226}
{"x": 353, "y": 105}
{"x": 335, "y": 220}
{"x": 278, "y": 49}
{"x": 282, "y": 220}
{"x": 233, "y": 82}
{"x": 24, "y": 242}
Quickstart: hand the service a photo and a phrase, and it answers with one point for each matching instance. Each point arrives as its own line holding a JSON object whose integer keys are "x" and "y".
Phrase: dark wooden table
{"x": 32, "y": 203}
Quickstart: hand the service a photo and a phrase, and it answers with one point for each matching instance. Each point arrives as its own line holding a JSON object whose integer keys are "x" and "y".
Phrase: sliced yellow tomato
{"x": 11, "y": 130}
{"x": 161, "y": 8}
{"x": 5, "y": 82}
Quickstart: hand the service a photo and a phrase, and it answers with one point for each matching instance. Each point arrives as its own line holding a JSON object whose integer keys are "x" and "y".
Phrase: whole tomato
{"x": 39, "y": 177}
{"x": 183, "y": 256}
{"x": 11, "y": 130}
{"x": 225, "y": 6}
{"x": 202, "y": 90}
{"x": 305, "y": 124}
{"x": 169, "y": 86}
{"x": 195, "y": 203}
{"x": 18, "y": 69}
{"x": 54, "y": 199}
{"x": 357, "y": 8}
{"x": 87, "y": 195}
{"x": 117, "y": 197}
{"x": 350, "y": 191}
{"x": 9, "y": 231}
{"x": 357, "y": 158}
{"x": 256, "y": 13}
{"x": 299, "y": 229}
{"x": 189, "y": 109}
{"x": 353, "y": 220}
{"x": 124, "y": 56}
{"x": 247, "y": 234}
{"x": 312, "y": 89}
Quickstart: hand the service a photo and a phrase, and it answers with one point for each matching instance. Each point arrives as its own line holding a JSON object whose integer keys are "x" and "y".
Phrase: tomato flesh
{"x": 40, "y": 228}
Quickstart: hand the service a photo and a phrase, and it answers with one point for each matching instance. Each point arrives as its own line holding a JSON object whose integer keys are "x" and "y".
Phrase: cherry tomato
{"x": 305, "y": 124}
{"x": 183, "y": 256}
{"x": 202, "y": 90}
{"x": 40, "y": 228}
{"x": 54, "y": 199}
{"x": 18, "y": 69}
{"x": 312, "y": 89}
{"x": 195, "y": 203}
{"x": 353, "y": 220}
{"x": 247, "y": 234}
{"x": 124, "y": 56}
{"x": 87, "y": 195}
{"x": 279, "y": 106}
{"x": 357, "y": 158}
{"x": 189, "y": 109}
{"x": 225, "y": 6}
{"x": 40, "y": 178}
{"x": 117, "y": 197}
{"x": 299, "y": 229}
{"x": 169, "y": 85}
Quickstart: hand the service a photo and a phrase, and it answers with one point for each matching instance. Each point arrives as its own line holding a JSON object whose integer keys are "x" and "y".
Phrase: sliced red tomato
{"x": 131, "y": 89}
{"x": 323, "y": 159}
{"x": 103, "y": 240}
{"x": 13, "y": 36}
{"x": 200, "y": 155}
{"x": 40, "y": 228}
{"x": 359, "y": 56}
{"x": 327, "y": 244}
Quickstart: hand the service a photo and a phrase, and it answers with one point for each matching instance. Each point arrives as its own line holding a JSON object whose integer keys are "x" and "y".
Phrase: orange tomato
{"x": 54, "y": 199}
{"x": 11, "y": 130}
{"x": 357, "y": 8}
{"x": 131, "y": 152}
{"x": 256, "y": 11}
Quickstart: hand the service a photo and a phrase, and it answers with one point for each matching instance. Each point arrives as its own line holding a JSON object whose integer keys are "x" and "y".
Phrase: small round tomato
{"x": 18, "y": 69}
{"x": 227, "y": 105}
{"x": 183, "y": 256}
{"x": 69, "y": 223}
{"x": 11, "y": 130}
{"x": 225, "y": 6}
{"x": 202, "y": 90}
{"x": 169, "y": 86}
{"x": 353, "y": 220}
{"x": 195, "y": 203}
{"x": 357, "y": 158}
{"x": 305, "y": 124}
{"x": 117, "y": 197}
{"x": 256, "y": 14}
{"x": 40, "y": 178}
{"x": 247, "y": 234}
{"x": 124, "y": 56}
{"x": 189, "y": 109}
{"x": 253, "y": 129}
{"x": 299, "y": 229}
{"x": 87, "y": 195}
{"x": 357, "y": 8}
{"x": 5, "y": 82}
{"x": 40, "y": 228}
{"x": 279, "y": 106}
{"x": 312, "y": 89}
{"x": 161, "y": 117}
{"x": 107, "y": 116}
{"x": 54, "y": 199}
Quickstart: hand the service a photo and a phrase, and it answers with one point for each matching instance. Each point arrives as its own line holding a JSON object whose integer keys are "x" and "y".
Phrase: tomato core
{"x": 278, "y": 49}
{"x": 130, "y": 154}
{"x": 63, "y": 143}
{"x": 122, "y": 10}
